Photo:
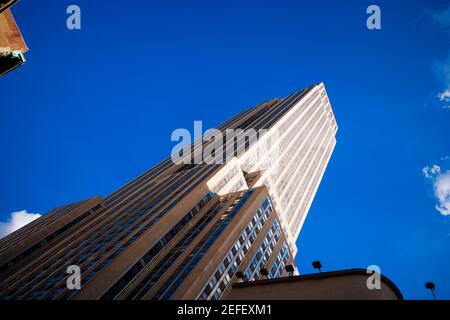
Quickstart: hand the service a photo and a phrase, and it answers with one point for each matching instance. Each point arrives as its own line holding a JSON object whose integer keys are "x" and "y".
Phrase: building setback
{"x": 186, "y": 231}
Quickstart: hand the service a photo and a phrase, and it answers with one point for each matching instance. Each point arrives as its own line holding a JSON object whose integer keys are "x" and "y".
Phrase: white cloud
{"x": 442, "y": 192}
{"x": 444, "y": 96}
{"x": 429, "y": 172}
{"x": 436, "y": 169}
{"x": 16, "y": 221}
{"x": 441, "y": 186}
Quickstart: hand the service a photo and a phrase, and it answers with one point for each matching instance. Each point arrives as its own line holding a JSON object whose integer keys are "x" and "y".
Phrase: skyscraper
{"x": 186, "y": 230}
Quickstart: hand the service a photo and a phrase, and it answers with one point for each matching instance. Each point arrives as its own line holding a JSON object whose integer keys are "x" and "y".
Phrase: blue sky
{"x": 94, "y": 108}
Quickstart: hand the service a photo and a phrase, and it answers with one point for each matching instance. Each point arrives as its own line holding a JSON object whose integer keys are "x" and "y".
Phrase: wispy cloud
{"x": 17, "y": 221}
{"x": 430, "y": 171}
{"x": 442, "y": 68}
{"x": 441, "y": 18}
{"x": 442, "y": 71}
{"x": 441, "y": 186}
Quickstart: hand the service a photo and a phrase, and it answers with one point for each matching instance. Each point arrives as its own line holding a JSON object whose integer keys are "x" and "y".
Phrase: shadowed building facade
{"x": 186, "y": 231}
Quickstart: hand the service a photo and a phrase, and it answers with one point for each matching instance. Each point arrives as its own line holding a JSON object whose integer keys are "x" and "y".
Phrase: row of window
{"x": 284, "y": 172}
{"x": 49, "y": 238}
{"x": 281, "y": 110}
{"x": 225, "y": 271}
{"x": 262, "y": 255}
{"x": 303, "y": 160}
{"x": 177, "y": 278}
{"x": 37, "y": 225}
{"x": 54, "y": 271}
{"x": 145, "y": 226}
{"x": 265, "y": 120}
{"x": 147, "y": 257}
{"x": 310, "y": 171}
{"x": 225, "y": 179}
{"x": 297, "y": 114}
{"x": 297, "y": 150}
{"x": 281, "y": 259}
{"x": 268, "y": 118}
{"x": 139, "y": 215}
{"x": 308, "y": 196}
{"x": 249, "y": 163}
{"x": 147, "y": 283}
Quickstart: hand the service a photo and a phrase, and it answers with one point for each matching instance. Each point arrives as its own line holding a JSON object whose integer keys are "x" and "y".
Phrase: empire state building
{"x": 186, "y": 230}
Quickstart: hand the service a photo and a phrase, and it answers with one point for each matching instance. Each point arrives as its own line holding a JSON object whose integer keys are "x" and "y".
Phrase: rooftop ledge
{"x": 343, "y": 284}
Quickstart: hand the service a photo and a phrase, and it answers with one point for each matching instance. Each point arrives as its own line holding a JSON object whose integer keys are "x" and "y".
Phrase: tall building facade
{"x": 188, "y": 230}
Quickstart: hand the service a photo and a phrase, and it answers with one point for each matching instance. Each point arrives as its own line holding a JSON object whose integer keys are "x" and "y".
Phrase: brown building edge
{"x": 12, "y": 44}
{"x": 335, "y": 285}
